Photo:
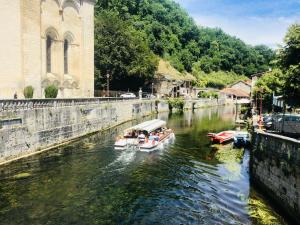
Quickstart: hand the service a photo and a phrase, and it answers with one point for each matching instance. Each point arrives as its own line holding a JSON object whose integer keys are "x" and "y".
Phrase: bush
{"x": 217, "y": 80}
{"x": 28, "y": 92}
{"x": 51, "y": 91}
{"x": 176, "y": 103}
{"x": 209, "y": 94}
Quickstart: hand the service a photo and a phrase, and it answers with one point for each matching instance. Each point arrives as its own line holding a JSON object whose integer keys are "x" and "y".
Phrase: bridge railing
{"x": 23, "y": 104}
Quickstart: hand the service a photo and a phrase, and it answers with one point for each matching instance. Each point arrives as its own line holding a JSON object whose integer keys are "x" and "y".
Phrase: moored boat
{"x": 146, "y": 136}
{"x": 222, "y": 137}
{"x": 241, "y": 139}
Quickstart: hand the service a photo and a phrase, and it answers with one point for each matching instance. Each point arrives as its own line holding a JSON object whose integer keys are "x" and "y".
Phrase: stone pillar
{"x": 140, "y": 94}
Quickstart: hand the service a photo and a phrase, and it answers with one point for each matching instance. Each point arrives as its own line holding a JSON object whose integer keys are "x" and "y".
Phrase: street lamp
{"x": 152, "y": 85}
{"x": 107, "y": 76}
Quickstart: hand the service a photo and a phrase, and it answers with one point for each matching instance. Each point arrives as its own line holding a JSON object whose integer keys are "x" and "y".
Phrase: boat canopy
{"x": 148, "y": 126}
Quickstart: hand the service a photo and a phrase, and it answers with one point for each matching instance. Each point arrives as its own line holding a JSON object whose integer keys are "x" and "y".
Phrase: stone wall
{"x": 27, "y": 126}
{"x": 275, "y": 167}
{"x": 205, "y": 102}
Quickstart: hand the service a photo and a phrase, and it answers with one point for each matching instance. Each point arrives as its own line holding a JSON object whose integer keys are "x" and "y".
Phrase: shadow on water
{"x": 88, "y": 182}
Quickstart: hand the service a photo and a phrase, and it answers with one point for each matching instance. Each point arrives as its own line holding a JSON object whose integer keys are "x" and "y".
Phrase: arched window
{"x": 49, "y": 42}
{"x": 66, "y": 56}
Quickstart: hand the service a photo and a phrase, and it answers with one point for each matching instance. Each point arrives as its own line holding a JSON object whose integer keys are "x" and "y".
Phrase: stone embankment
{"x": 202, "y": 103}
{"x": 29, "y": 126}
{"x": 275, "y": 168}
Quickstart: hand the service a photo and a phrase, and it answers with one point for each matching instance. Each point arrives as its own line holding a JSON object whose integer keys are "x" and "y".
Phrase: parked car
{"x": 268, "y": 122}
{"x": 150, "y": 96}
{"x": 128, "y": 95}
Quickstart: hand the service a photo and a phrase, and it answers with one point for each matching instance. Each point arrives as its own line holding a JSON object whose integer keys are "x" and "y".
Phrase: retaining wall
{"x": 27, "y": 126}
{"x": 275, "y": 167}
{"x": 201, "y": 103}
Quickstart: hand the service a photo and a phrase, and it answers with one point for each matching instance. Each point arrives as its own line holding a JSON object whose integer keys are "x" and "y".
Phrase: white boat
{"x": 147, "y": 136}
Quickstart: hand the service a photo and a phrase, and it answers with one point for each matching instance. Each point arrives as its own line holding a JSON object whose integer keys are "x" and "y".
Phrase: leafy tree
{"x": 163, "y": 27}
{"x": 218, "y": 79}
{"x": 122, "y": 52}
{"x": 272, "y": 82}
{"x": 289, "y": 61}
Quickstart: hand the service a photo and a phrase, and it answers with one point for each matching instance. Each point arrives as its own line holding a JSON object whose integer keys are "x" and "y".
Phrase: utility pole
{"x": 107, "y": 76}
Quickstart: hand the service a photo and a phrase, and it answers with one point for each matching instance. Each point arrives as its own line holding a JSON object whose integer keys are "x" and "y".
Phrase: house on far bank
{"x": 169, "y": 82}
{"x": 244, "y": 86}
{"x": 233, "y": 95}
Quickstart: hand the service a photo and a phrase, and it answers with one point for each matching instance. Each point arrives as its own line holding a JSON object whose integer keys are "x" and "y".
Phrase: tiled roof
{"x": 247, "y": 82}
{"x": 235, "y": 92}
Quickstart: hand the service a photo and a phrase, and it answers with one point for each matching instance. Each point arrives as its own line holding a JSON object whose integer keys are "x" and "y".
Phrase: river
{"x": 88, "y": 182}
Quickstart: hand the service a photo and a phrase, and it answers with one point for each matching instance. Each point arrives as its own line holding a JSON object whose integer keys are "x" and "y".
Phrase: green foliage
{"x": 218, "y": 79}
{"x": 209, "y": 94}
{"x": 245, "y": 109}
{"x": 176, "y": 103}
{"x": 51, "y": 91}
{"x": 289, "y": 62}
{"x": 126, "y": 30}
{"x": 28, "y": 92}
{"x": 268, "y": 84}
{"x": 121, "y": 51}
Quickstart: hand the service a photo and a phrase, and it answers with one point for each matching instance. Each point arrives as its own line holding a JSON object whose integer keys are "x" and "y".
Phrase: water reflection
{"x": 88, "y": 182}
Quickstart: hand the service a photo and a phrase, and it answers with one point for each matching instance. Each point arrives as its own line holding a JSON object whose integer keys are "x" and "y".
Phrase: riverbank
{"x": 31, "y": 126}
{"x": 187, "y": 182}
{"x": 275, "y": 169}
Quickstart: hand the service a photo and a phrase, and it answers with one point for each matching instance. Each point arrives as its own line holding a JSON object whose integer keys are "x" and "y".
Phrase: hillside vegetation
{"x": 128, "y": 32}
{"x": 284, "y": 80}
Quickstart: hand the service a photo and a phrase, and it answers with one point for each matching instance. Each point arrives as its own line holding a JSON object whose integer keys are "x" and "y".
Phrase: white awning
{"x": 148, "y": 126}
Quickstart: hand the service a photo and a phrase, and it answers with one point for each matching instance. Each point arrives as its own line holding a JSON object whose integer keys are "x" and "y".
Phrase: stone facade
{"x": 47, "y": 42}
{"x": 275, "y": 167}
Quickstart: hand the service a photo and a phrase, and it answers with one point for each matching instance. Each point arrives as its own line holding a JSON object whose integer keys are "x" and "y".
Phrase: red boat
{"x": 222, "y": 137}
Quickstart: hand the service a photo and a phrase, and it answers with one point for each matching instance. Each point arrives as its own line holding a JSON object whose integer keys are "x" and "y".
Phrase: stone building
{"x": 47, "y": 42}
{"x": 169, "y": 82}
{"x": 245, "y": 86}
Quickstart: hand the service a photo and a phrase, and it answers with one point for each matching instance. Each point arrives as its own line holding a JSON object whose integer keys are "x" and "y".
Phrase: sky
{"x": 253, "y": 21}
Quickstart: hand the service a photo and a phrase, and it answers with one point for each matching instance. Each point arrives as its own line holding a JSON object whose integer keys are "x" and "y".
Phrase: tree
{"x": 169, "y": 32}
{"x": 289, "y": 61}
{"x": 272, "y": 82}
{"x": 121, "y": 51}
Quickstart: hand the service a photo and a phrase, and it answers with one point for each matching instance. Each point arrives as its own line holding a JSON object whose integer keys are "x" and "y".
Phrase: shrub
{"x": 210, "y": 94}
{"x": 176, "y": 103}
{"x": 28, "y": 92}
{"x": 51, "y": 91}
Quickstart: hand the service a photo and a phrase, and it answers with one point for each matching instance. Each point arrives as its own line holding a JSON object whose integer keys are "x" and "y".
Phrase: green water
{"x": 88, "y": 182}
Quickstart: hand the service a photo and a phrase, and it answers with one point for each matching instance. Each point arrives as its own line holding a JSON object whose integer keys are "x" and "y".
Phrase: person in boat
{"x": 141, "y": 136}
{"x": 154, "y": 136}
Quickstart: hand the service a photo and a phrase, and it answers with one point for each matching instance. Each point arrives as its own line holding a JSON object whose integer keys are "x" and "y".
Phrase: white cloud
{"x": 252, "y": 30}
